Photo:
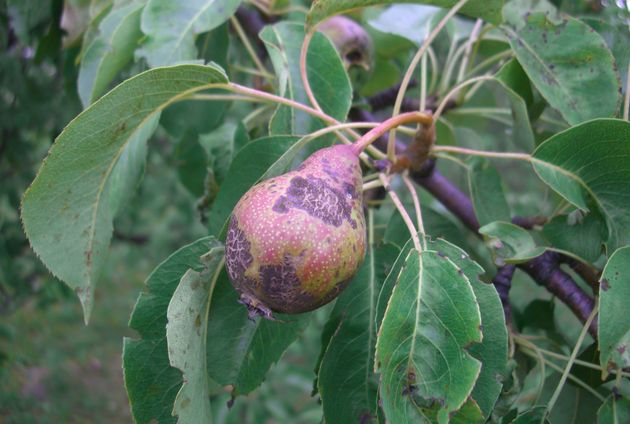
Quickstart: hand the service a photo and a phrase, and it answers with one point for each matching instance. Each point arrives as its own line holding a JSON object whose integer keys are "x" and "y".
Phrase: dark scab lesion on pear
{"x": 283, "y": 288}
{"x": 317, "y": 198}
{"x": 279, "y": 281}
{"x": 237, "y": 251}
{"x": 281, "y": 205}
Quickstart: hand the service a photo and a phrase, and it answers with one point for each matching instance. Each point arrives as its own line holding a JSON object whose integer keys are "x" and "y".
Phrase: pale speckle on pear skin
{"x": 295, "y": 241}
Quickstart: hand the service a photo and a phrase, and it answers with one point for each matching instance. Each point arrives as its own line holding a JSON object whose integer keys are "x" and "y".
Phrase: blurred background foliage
{"x": 52, "y": 367}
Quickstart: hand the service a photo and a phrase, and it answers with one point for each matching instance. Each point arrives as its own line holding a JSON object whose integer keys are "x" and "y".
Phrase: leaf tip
{"x": 86, "y": 297}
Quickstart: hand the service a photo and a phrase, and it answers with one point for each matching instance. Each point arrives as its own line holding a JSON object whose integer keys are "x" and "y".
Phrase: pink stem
{"x": 404, "y": 118}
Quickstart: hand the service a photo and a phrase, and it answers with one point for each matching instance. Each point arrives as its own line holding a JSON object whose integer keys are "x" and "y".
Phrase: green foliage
{"x": 614, "y": 329}
{"x": 346, "y": 380}
{"x": 419, "y": 335}
{"x": 577, "y": 235}
{"x": 171, "y": 27}
{"x": 186, "y": 334}
{"x": 614, "y": 411}
{"x": 510, "y": 243}
{"x": 243, "y": 359}
{"x": 492, "y": 351}
{"x": 109, "y": 51}
{"x": 566, "y": 60}
{"x": 325, "y": 70}
{"x": 431, "y": 317}
{"x": 597, "y": 171}
{"x": 486, "y": 191}
{"x": 510, "y": 77}
{"x": 151, "y": 382}
{"x": 69, "y": 208}
{"x": 489, "y": 10}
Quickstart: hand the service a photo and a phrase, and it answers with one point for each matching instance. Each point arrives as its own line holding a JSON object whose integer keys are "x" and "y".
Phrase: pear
{"x": 354, "y": 45}
{"x": 295, "y": 241}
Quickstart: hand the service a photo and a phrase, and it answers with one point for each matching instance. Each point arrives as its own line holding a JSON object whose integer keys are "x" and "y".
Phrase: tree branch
{"x": 545, "y": 270}
{"x": 387, "y": 97}
{"x": 587, "y": 272}
{"x": 451, "y": 197}
{"x": 502, "y": 281}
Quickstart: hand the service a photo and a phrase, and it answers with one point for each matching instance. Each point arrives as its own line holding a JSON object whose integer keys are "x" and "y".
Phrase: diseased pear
{"x": 295, "y": 241}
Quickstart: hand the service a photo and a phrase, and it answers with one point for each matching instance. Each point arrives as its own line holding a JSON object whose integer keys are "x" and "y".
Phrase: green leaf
{"x": 390, "y": 282}
{"x": 578, "y": 234}
{"x": 68, "y": 210}
{"x": 129, "y": 169}
{"x": 26, "y": 16}
{"x": 191, "y": 162}
{"x": 327, "y": 76}
{"x": 384, "y": 75}
{"x": 151, "y": 382}
{"x": 201, "y": 116}
{"x": 592, "y": 158}
{"x": 567, "y": 61}
{"x": 431, "y": 319}
{"x": 614, "y": 411}
{"x": 469, "y": 413}
{"x": 221, "y": 146}
{"x": 614, "y": 31}
{"x": 241, "y": 351}
{"x": 194, "y": 115}
{"x": 512, "y": 78}
{"x": 591, "y": 376}
{"x": 489, "y": 10}
{"x": 613, "y": 325}
{"x": 492, "y": 352}
{"x": 203, "y": 161}
{"x": 171, "y": 27}
{"x": 415, "y": 22}
{"x": 110, "y": 51}
{"x": 536, "y": 415}
{"x": 510, "y": 243}
{"x": 436, "y": 224}
{"x": 98, "y": 11}
{"x": 186, "y": 337}
{"x": 346, "y": 380}
{"x": 487, "y": 194}
{"x": 248, "y": 167}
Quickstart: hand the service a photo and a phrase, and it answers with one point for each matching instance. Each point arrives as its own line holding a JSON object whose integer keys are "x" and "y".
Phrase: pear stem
{"x": 416, "y": 201}
{"x": 393, "y": 122}
{"x": 403, "y": 212}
